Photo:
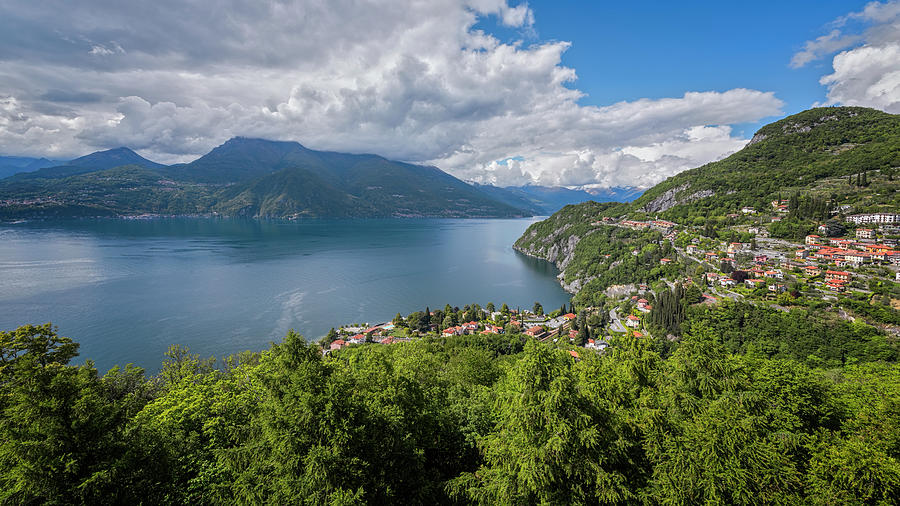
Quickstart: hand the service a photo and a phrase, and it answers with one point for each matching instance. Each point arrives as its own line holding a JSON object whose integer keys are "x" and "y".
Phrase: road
{"x": 616, "y": 325}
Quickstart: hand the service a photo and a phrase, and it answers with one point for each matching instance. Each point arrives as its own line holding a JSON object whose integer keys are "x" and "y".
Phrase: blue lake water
{"x": 127, "y": 289}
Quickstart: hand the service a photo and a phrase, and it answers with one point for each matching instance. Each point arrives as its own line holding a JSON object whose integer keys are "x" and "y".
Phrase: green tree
{"x": 550, "y": 445}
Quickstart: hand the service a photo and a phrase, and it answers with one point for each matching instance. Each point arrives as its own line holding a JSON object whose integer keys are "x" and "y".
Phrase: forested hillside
{"x": 243, "y": 177}
{"x": 480, "y": 419}
{"x": 783, "y": 157}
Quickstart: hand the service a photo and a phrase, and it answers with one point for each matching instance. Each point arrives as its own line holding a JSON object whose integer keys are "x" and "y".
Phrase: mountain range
{"x": 260, "y": 178}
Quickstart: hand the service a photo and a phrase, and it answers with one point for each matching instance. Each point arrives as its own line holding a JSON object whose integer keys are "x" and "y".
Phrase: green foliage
{"x": 486, "y": 419}
{"x": 790, "y": 154}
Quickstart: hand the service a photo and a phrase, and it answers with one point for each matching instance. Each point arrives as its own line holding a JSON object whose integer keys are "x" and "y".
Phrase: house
{"x": 880, "y": 218}
{"x": 569, "y": 316}
{"x": 357, "y": 339}
{"x": 692, "y": 249}
{"x": 761, "y": 259}
{"x": 596, "y": 345}
{"x": 837, "y": 275}
{"x": 637, "y": 334}
{"x": 776, "y": 218}
{"x": 664, "y": 226}
{"x": 536, "y": 332}
{"x": 665, "y": 261}
{"x": 493, "y": 329}
{"x": 632, "y": 321}
{"x": 748, "y": 210}
{"x": 734, "y": 247}
{"x": 453, "y": 331}
{"x": 556, "y": 323}
{"x": 753, "y": 283}
{"x": 856, "y": 257}
{"x": 337, "y": 344}
{"x": 727, "y": 282}
{"x": 776, "y": 288}
{"x": 865, "y": 233}
{"x": 836, "y": 286}
{"x": 811, "y": 270}
{"x": 774, "y": 274}
{"x": 573, "y": 354}
{"x": 711, "y": 256}
{"x": 636, "y": 224}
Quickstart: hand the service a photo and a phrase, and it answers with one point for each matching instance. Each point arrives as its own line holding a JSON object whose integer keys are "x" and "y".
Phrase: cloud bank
{"x": 866, "y": 71}
{"x": 418, "y": 81}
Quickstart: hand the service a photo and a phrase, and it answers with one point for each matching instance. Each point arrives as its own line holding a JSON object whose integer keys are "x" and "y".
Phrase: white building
{"x": 886, "y": 218}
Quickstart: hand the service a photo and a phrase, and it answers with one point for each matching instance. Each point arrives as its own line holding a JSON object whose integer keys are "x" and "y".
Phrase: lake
{"x": 127, "y": 289}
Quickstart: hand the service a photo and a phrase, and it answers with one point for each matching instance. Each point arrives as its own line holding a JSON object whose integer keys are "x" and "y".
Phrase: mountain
{"x": 810, "y": 158}
{"x": 511, "y": 196}
{"x": 252, "y": 178}
{"x": 615, "y": 194}
{"x": 799, "y": 153}
{"x": 10, "y": 165}
{"x": 549, "y": 199}
{"x": 99, "y": 160}
{"x": 114, "y": 158}
{"x": 241, "y": 159}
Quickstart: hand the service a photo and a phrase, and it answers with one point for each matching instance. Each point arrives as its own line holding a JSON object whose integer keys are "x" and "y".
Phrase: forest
{"x": 742, "y": 409}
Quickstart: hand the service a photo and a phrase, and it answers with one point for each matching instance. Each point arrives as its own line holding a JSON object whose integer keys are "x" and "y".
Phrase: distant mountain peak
{"x": 114, "y": 157}
{"x": 241, "y": 140}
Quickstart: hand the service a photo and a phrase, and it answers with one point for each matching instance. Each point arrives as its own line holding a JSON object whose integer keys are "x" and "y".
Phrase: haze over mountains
{"x": 263, "y": 179}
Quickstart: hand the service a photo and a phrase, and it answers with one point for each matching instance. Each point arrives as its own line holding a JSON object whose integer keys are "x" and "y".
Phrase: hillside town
{"x": 764, "y": 271}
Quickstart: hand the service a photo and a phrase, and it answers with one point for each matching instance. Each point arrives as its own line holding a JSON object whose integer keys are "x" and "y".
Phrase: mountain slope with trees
{"x": 783, "y": 157}
{"x": 250, "y": 178}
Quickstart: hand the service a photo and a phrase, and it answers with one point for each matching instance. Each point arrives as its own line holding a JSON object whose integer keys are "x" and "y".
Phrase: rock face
{"x": 669, "y": 199}
{"x": 558, "y": 249}
{"x": 665, "y": 201}
{"x": 757, "y": 138}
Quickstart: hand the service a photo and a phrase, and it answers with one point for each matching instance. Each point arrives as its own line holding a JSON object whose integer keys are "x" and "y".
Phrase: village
{"x": 771, "y": 272}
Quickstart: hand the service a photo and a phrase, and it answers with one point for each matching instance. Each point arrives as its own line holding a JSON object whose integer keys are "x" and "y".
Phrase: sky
{"x": 564, "y": 92}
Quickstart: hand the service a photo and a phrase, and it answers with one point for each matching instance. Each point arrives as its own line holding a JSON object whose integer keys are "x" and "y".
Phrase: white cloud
{"x": 824, "y": 45}
{"x": 414, "y": 81}
{"x": 868, "y": 74}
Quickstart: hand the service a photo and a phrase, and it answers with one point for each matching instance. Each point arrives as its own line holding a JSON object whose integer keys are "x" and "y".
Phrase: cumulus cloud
{"x": 822, "y": 46}
{"x": 867, "y": 71}
{"x": 415, "y": 81}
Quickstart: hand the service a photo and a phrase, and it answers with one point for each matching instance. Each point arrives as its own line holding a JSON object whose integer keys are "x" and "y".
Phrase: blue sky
{"x": 624, "y": 51}
{"x": 483, "y": 89}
